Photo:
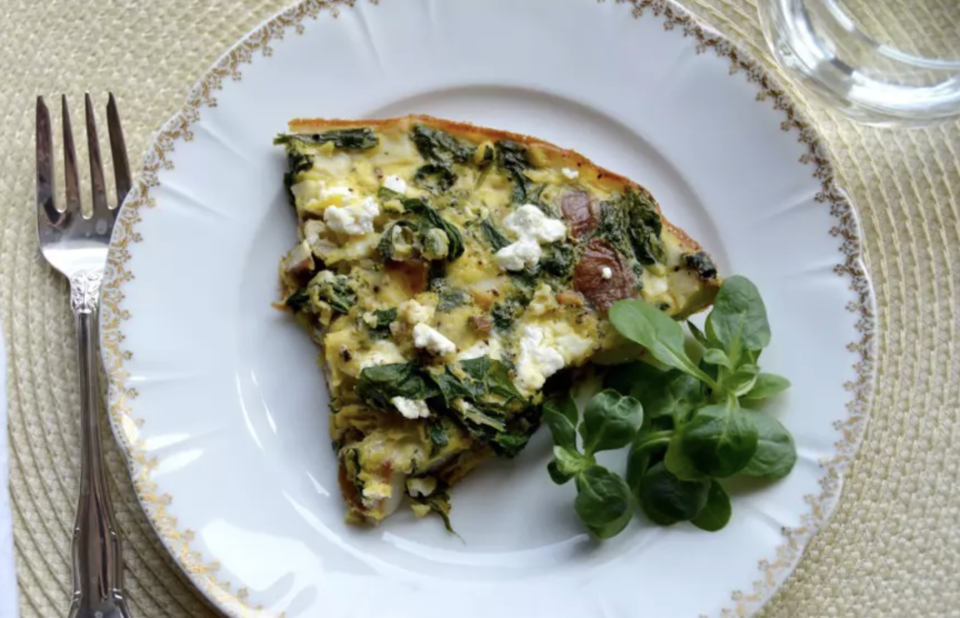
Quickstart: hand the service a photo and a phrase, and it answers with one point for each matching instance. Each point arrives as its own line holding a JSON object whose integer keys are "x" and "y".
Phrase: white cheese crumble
{"x": 570, "y": 173}
{"x": 654, "y": 286}
{"x": 606, "y": 273}
{"x": 538, "y": 360}
{"x": 421, "y": 488}
{"x": 411, "y": 408}
{"x": 395, "y": 183}
{"x": 432, "y": 340}
{"x": 528, "y": 221}
{"x": 519, "y": 255}
{"x": 490, "y": 347}
{"x": 354, "y": 219}
{"x": 414, "y": 313}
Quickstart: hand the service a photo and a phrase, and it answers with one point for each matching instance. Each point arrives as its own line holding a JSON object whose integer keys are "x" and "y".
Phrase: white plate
{"x": 221, "y": 407}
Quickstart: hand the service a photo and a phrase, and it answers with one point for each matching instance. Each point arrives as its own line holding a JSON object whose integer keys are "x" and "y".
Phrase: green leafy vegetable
{"x": 766, "y": 386}
{"x": 666, "y": 499}
{"x": 439, "y": 146}
{"x": 451, "y": 298}
{"x": 715, "y": 514}
{"x": 494, "y": 236}
{"x": 776, "y": 453}
{"x": 379, "y": 384}
{"x": 720, "y": 440}
{"x": 716, "y": 356}
{"x": 298, "y": 300}
{"x": 678, "y": 462}
{"x": 632, "y": 224}
{"x": 603, "y": 502}
{"x": 657, "y": 332}
{"x": 695, "y": 431}
{"x": 357, "y": 139}
{"x": 512, "y": 158}
{"x": 560, "y": 415}
{"x": 558, "y": 260}
{"x": 335, "y": 290}
{"x": 430, "y": 218}
{"x": 438, "y": 435}
{"x": 610, "y": 421}
{"x": 738, "y": 322}
{"x": 384, "y": 317}
{"x": 701, "y": 264}
{"x": 435, "y": 177}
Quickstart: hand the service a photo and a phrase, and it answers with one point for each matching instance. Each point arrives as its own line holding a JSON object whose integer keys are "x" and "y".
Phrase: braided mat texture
{"x": 891, "y": 550}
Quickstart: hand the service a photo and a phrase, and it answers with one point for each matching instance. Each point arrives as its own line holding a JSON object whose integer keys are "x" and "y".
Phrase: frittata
{"x": 448, "y": 271}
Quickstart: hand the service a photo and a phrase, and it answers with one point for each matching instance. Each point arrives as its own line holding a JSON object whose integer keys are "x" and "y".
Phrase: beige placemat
{"x": 893, "y": 547}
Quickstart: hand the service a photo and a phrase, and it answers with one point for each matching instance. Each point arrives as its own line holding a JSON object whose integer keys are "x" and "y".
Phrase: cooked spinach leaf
{"x": 494, "y": 236}
{"x": 298, "y": 300}
{"x": 506, "y": 312}
{"x": 701, "y": 264}
{"x": 439, "y": 146}
{"x": 358, "y": 139}
{"x": 379, "y": 384}
{"x": 297, "y": 162}
{"x": 385, "y": 317}
{"x": 631, "y": 223}
{"x": 559, "y": 260}
{"x": 451, "y": 298}
{"x": 513, "y": 159}
{"x": 438, "y": 435}
{"x": 335, "y": 290}
{"x": 430, "y": 218}
{"x": 435, "y": 177}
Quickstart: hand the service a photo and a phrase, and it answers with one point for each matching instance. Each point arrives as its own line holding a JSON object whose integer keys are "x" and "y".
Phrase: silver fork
{"x": 76, "y": 246}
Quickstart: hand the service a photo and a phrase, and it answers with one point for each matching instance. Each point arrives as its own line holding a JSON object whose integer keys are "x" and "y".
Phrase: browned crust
{"x": 611, "y": 181}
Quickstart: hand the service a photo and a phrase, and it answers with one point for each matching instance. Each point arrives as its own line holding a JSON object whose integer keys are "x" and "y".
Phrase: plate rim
{"x": 773, "y": 573}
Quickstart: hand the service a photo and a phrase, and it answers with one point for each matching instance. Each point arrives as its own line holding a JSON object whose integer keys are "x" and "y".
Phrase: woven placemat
{"x": 893, "y": 547}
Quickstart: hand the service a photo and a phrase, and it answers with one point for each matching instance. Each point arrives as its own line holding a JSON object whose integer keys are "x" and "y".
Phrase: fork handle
{"x": 97, "y": 563}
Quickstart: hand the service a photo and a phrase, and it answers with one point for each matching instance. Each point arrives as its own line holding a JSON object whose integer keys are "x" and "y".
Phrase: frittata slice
{"x": 447, "y": 271}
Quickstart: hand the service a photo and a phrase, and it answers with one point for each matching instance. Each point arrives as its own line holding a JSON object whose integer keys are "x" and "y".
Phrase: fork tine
{"x": 71, "y": 178}
{"x": 45, "y": 185}
{"x": 97, "y": 189}
{"x": 118, "y": 149}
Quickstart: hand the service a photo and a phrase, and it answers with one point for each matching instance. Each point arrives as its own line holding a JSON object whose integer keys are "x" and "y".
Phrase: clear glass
{"x": 883, "y": 62}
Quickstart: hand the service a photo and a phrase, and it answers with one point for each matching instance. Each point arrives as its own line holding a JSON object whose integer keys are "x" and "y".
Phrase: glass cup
{"x": 883, "y": 62}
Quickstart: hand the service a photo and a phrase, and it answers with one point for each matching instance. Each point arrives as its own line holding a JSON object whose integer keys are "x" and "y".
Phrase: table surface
{"x": 892, "y": 548}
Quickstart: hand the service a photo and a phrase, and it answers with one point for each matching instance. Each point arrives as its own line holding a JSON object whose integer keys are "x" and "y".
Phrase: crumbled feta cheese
{"x": 573, "y": 347}
{"x": 415, "y": 313}
{"x": 528, "y": 221}
{"x": 395, "y": 183}
{"x": 432, "y": 340}
{"x": 421, "y": 488}
{"x": 519, "y": 255}
{"x": 382, "y": 352}
{"x": 570, "y": 173}
{"x": 411, "y": 408}
{"x": 490, "y": 347}
{"x": 606, "y": 273}
{"x": 538, "y": 360}
{"x": 654, "y": 286}
{"x": 355, "y": 219}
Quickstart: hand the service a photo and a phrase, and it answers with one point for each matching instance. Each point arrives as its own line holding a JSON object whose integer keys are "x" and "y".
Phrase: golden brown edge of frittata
{"x": 549, "y": 155}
